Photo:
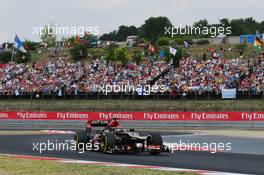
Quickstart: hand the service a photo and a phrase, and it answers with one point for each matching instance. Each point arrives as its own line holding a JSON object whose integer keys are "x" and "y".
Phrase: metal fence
{"x": 209, "y": 101}
{"x": 245, "y": 95}
{"x": 154, "y": 125}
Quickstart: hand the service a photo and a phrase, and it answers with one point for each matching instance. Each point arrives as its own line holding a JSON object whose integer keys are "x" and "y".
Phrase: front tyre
{"x": 108, "y": 141}
{"x": 154, "y": 143}
{"x": 81, "y": 139}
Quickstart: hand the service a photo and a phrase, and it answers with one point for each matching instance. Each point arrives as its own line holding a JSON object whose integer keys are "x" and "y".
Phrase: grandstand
{"x": 58, "y": 77}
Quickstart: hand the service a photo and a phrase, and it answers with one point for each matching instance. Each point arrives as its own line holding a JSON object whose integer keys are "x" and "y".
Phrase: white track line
{"x": 57, "y": 132}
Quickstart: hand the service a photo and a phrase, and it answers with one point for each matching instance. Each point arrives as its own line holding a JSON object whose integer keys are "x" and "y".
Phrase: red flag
{"x": 77, "y": 40}
{"x": 151, "y": 48}
{"x": 69, "y": 44}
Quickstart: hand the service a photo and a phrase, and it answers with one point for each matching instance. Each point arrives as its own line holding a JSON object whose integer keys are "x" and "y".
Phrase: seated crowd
{"x": 60, "y": 76}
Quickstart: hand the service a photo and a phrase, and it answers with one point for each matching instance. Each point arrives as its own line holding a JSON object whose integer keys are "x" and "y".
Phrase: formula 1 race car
{"x": 114, "y": 139}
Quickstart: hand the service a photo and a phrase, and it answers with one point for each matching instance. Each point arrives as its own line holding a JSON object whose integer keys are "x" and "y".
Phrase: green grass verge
{"x": 197, "y": 50}
{"x": 131, "y": 105}
{"x": 16, "y": 166}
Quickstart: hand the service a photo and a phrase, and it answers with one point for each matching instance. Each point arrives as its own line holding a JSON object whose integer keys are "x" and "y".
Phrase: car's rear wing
{"x": 99, "y": 123}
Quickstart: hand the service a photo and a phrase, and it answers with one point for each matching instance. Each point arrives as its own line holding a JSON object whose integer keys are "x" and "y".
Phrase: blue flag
{"x": 162, "y": 54}
{"x": 19, "y": 45}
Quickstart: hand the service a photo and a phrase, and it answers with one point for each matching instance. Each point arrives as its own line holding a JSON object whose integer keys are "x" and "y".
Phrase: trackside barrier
{"x": 137, "y": 120}
{"x": 157, "y": 125}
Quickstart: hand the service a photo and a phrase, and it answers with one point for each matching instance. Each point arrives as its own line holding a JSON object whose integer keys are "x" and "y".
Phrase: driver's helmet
{"x": 89, "y": 124}
{"x": 113, "y": 123}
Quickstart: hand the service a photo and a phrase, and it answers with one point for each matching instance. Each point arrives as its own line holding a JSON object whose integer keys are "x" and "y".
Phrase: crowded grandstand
{"x": 59, "y": 76}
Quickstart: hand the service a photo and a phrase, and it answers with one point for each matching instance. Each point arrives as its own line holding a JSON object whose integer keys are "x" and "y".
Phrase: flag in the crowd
{"x": 76, "y": 40}
{"x": 173, "y": 51}
{"x": 59, "y": 93}
{"x": 186, "y": 44}
{"x": 69, "y": 44}
{"x": 19, "y": 45}
{"x": 151, "y": 48}
{"x": 162, "y": 54}
{"x": 258, "y": 44}
{"x": 210, "y": 49}
{"x": 1, "y": 47}
{"x": 16, "y": 92}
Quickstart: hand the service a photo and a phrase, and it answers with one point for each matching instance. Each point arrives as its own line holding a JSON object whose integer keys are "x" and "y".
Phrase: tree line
{"x": 154, "y": 27}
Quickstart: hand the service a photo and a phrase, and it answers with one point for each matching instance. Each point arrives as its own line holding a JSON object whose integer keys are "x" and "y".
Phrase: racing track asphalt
{"x": 227, "y": 162}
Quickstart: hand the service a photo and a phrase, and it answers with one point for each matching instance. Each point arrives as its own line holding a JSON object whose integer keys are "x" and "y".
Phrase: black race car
{"x": 114, "y": 139}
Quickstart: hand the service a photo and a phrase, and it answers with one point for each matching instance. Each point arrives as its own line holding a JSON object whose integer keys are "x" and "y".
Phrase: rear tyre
{"x": 154, "y": 143}
{"x": 108, "y": 142}
{"x": 81, "y": 139}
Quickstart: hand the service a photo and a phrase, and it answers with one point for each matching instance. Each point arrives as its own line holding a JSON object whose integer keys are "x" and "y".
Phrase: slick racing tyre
{"x": 154, "y": 143}
{"x": 108, "y": 142}
{"x": 81, "y": 138}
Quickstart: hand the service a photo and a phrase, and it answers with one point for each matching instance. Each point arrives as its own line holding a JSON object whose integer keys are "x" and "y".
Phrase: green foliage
{"x": 244, "y": 26}
{"x": 29, "y": 45}
{"x": 141, "y": 40}
{"x": 71, "y": 40}
{"x": 125, "y": 31}
{"x": 109, "y": 36}
{"x": 48, "y": 36}
{"x": 163, "y": 41}
{"x": 201, "y": 23}
{"x": 177, "y": 57}
{"x": 110, "y": 54}
{"x": 121, "y": 55}
{"x": 121, "y": 34}
{"x": 241, "y": 25}
{"x": 240, "y": 47}
{"x": 202, "y": 42}
{"x": 180, "y": 40}
{"x": 89, "y": 40}
{"x": 78, "y": 52}
{"x": 185, "y": 53}
{"x": 21, "y": 57}
{"x": 224, "y": 22}
{"x": 174, "y": 44}
{"x": 95, "y": 52}
{"x": 5, "y": 57}
{"x": 117, "y": 54}
{"x": 137, "y": 56}
{"x": 154, "y": 27}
